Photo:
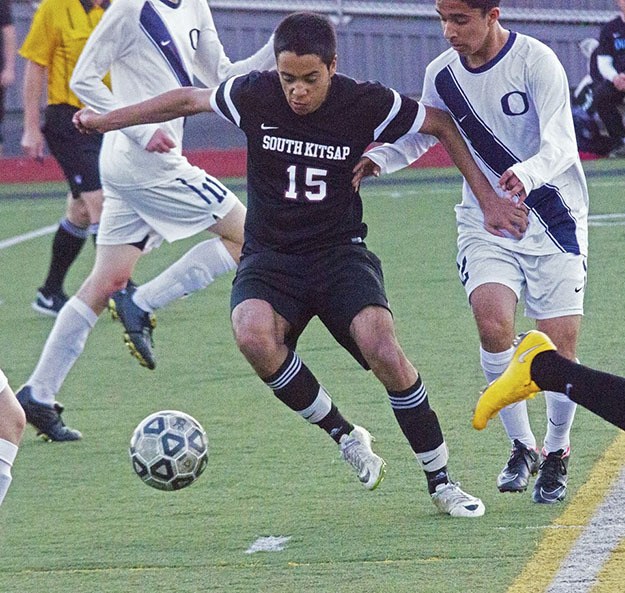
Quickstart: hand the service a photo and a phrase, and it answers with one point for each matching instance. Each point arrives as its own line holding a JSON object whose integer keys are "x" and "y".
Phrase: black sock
{"x": 599, "y": 392}
{"x": 416, "y": 419}
{"x": 68, "y": 242}
{"x": 295, "y": 385}
{"x": 436, "y": 478}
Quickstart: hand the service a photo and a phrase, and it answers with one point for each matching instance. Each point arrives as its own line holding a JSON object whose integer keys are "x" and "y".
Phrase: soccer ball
{"x": 169, "y": 450}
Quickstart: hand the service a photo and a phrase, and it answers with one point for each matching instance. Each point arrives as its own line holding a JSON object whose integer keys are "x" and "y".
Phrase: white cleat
{"x": 451, "y": 500}
{"x": 356, "y": 450}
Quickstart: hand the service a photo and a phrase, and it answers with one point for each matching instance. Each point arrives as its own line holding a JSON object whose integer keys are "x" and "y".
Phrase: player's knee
{"x": 254, "y": 342}
{"x": 383, "y": 354}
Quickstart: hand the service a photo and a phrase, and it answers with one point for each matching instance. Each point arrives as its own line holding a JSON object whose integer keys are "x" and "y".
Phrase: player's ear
{"x": 332, "y": 66}
{"x": 493, "y": 15}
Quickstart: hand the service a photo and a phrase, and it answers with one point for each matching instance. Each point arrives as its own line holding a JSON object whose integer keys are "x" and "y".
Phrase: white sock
{"x": 560, "y": 415}
{"x": 64, "y": 345}
{"x": 514, "y": 418}
{"x": 432, "y": 461}
{"x": 195, "y": 270}
{"x": 8, "y": 451}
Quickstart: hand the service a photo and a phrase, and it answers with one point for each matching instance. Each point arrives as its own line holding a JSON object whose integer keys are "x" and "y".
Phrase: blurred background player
{"x": 151, "y": 194}
{"x": 8, "y": 48}
{"x": 609, "y": 87}
{"x": 12, "y": 423}
{"x": 58, "y": 33}
{"x": 522, "y": 136}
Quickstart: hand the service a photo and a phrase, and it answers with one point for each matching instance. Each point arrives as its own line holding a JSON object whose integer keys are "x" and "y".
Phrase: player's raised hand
{"x": 364, "y": 168}
{"x": 160, "y": 142}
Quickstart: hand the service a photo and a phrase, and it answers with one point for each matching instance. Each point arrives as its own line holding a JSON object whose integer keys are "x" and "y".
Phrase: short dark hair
{"x": 485, "y": 5}
{"x": 306, "y": 33}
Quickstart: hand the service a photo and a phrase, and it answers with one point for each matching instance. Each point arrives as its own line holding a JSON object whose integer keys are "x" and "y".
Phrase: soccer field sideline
{"x": 581, "y": 550}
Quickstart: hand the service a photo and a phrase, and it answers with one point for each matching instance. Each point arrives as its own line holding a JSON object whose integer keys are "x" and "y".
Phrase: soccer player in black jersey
{"x": 304, "y": 253}
{"x": 609, "y": 78}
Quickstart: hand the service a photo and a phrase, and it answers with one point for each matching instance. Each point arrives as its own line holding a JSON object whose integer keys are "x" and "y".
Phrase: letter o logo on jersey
{"x": 194, "y": 38}
{"x": 515, "y": 103}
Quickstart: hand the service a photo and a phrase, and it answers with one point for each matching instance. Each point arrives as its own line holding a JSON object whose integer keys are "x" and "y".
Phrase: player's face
{"x": 621, "y": 5}
{"x": 305, "y": 80}
{"x": 468, "y": 30}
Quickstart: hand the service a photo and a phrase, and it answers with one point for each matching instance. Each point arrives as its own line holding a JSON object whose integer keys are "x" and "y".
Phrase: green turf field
{"x": 77, "y": 519}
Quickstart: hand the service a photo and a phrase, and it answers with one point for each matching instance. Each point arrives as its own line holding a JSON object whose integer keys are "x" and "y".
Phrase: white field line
{"x": 46, "y": 230}
{"x": 594, "y": 547}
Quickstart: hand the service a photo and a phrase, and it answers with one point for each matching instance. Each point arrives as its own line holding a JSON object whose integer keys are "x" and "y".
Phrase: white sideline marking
{"x": 606, "y": 220}
{"x": 46, "y": 230}
{"x": 270, "y": 543}
{"x": 594, "y": 547}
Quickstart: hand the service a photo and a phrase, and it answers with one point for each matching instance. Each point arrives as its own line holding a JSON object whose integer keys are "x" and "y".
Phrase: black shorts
{"x": 77, "y": 153}
{"x": 334, "y": 284}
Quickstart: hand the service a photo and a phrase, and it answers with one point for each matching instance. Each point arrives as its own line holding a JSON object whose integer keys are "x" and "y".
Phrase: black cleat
{"x": 523, "y": 463}
{"x": 49, "y": 304}
{"x": 550, "y": 485}
{"x": 138, "y": 324}
{"x": 46, "y": 419}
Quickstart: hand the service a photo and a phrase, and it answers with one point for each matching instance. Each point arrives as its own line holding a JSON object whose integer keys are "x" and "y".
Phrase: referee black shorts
{"x": 77, "y": 154}
{"x": 334, "y": 284}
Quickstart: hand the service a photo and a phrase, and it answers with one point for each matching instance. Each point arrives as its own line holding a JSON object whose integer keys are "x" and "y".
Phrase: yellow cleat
{"x": 515, "y": 383}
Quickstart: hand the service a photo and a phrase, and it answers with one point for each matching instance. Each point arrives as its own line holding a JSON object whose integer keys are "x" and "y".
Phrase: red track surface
{"x": 220, "y": 163}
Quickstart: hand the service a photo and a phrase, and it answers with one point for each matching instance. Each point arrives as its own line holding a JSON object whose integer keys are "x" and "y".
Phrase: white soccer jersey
{"x": 149, "y": 47}
{"x": 514, "y": 112}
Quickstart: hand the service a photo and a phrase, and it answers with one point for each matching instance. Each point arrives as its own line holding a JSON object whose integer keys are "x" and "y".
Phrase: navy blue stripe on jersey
{"x": 156, "y": 30}
{"x": 216, "y": 191}
{"x": 492, "y": 63}
{"x": 546, "y": 202}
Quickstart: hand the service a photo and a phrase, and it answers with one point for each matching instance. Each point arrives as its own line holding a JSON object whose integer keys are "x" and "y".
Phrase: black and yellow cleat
{"x": 138, "y": 324}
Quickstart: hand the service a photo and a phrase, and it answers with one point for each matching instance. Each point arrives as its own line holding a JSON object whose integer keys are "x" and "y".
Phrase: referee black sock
{"x": 599, "y": 392}
{"x": 296, "y": 386}
{"x": 66, "y": 246}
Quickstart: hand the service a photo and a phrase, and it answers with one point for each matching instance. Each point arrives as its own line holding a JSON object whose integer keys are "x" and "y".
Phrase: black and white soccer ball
{"x": 169, "y": 450}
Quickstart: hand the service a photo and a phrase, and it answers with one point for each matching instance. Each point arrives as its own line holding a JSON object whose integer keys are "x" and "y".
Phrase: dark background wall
{"x": 391, "y": 41}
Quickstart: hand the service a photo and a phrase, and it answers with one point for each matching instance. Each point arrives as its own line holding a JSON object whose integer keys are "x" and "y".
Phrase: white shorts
{"x": 178, "y": 209}
{"x": 552, "y": 285}
{"x": 3, "y": 380}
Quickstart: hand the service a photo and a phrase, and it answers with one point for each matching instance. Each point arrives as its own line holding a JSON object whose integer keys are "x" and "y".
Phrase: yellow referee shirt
{"x": 58, "y": 33}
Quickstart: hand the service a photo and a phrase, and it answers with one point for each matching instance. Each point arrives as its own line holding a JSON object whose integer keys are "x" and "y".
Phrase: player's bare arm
{"x": 502, "y": 217}
{"x": 167, "y": 106}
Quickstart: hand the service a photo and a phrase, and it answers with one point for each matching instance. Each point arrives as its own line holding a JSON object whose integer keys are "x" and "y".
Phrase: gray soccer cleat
{"x": 451, "y": 500}
{"x": 356, "y": 450}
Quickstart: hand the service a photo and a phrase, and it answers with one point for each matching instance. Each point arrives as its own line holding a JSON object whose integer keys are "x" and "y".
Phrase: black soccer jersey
{"x": 299, "y": 167}
{"x": 612, "y": 42}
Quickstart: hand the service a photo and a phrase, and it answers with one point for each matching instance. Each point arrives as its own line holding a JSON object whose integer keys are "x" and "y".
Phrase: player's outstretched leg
{"x": 515, "y": 383}
{"x": 138, "y": 324}
{"x": 421, "y": 427}
{"x": 356, "y": 450}
{"x": 46, "y": 419}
